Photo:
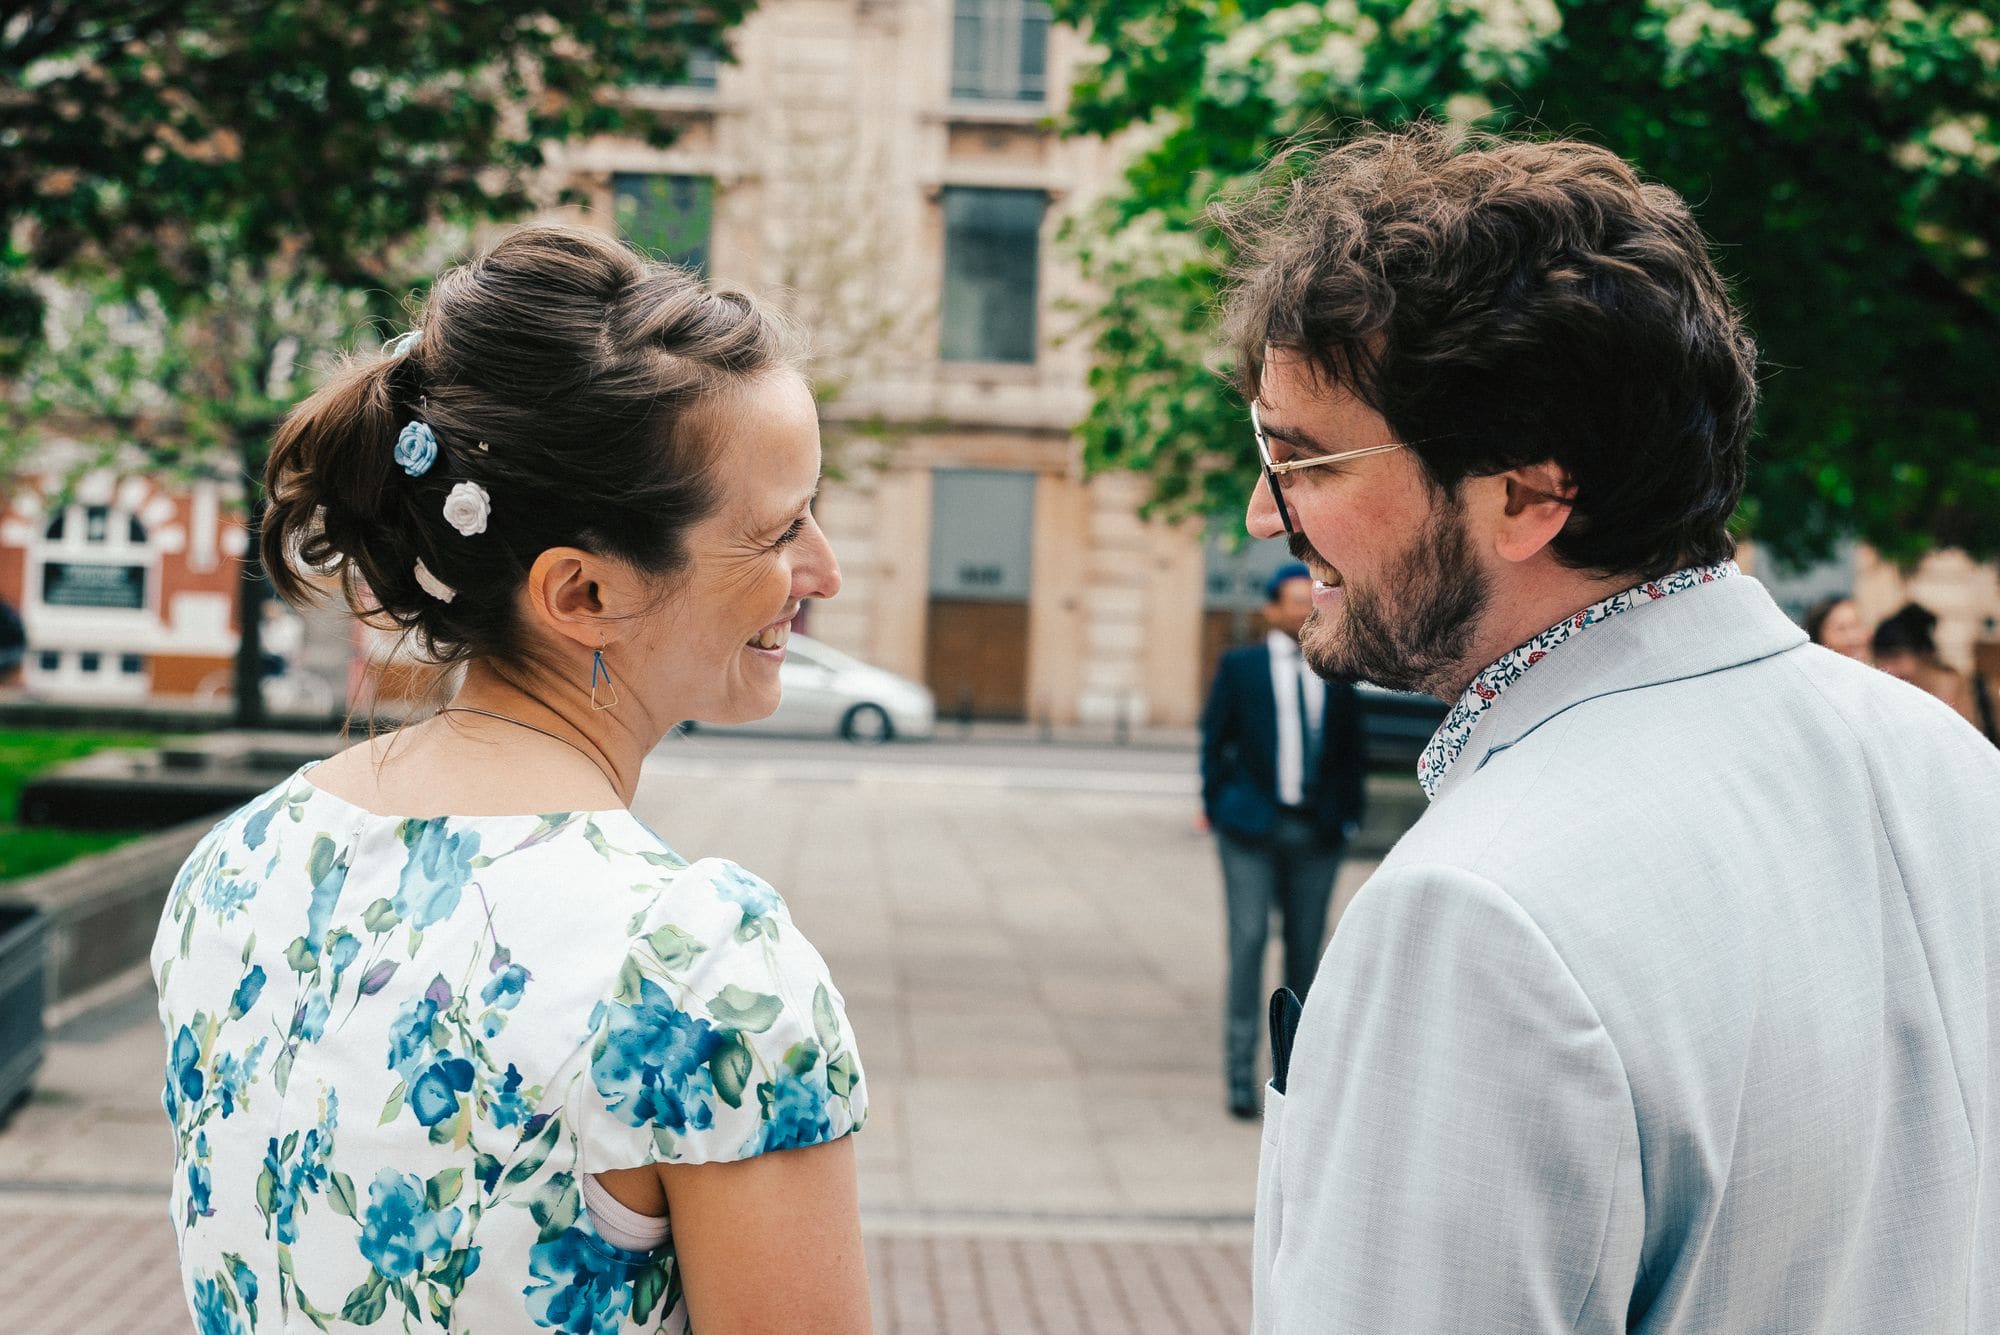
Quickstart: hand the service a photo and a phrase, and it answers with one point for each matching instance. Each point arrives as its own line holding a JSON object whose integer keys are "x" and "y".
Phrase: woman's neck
{"x": 615, "y": 740}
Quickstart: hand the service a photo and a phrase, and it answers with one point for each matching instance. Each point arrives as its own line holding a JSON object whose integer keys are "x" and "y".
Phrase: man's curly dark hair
{"x": 1505, "y": 302}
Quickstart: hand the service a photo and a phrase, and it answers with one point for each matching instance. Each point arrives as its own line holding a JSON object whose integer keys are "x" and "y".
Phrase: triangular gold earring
{"x": 600, "y": 673}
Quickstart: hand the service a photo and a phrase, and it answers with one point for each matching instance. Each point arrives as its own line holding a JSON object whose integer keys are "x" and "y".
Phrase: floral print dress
{"x": 396, "y": 1046}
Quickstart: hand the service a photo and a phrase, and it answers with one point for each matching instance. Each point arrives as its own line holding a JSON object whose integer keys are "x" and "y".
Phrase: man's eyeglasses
{"x": 1274, "y": 471}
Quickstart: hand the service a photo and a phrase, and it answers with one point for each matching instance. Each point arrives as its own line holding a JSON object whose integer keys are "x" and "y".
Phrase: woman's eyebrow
{"x": 797, "y": 509}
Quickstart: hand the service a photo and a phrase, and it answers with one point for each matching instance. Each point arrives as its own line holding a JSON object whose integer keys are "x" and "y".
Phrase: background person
{"x": 1283, "y": 783}
{"x": 1675, "y": 1012}
{"x": 449, "y": 1031}
{"x": 1905, "y": 647}
{"x": 13, "y": 644}
{"x": 1835, "y": 622}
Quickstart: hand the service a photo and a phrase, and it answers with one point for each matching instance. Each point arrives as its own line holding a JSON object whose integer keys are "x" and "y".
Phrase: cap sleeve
{"x": 722, "y": 1037}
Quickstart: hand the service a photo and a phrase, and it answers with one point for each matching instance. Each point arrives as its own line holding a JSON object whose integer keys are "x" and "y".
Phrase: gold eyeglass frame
{"x": 1274, "y": 471}
{"x": 1294, "y": 465}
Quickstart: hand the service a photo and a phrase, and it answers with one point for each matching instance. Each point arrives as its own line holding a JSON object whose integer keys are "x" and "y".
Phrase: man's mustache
{"x": 1303, "y": 550}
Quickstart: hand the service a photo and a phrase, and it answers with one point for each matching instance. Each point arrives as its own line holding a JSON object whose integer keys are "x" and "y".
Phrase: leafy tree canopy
{"x": 172, "y": 140}
{"x": 230, "y": 187}
{"x": 1844, "y": 155}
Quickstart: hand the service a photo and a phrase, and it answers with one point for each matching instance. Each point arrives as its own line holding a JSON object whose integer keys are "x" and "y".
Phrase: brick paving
{"x": 77, "y": 1269}
{"x": 1034, "y": 978}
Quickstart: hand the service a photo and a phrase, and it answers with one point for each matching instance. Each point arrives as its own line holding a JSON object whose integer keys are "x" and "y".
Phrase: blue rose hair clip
{"x": 416, "y": 448}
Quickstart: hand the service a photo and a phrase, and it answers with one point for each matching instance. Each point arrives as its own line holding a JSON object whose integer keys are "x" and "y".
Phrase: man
{"x": 1679, "y": 1011}
{"x": 1282, "y": 782}
{"x": 13, "y": 644}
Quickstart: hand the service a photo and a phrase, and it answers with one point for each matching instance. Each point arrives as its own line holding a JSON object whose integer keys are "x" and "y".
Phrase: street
{"x": 1029, "y": 940}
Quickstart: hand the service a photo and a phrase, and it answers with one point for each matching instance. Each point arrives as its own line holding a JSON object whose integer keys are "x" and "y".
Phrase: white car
{"x": 829, "y": 692}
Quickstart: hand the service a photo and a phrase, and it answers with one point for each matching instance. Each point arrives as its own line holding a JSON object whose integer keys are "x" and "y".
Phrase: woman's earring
{"x": 599, "y": 672}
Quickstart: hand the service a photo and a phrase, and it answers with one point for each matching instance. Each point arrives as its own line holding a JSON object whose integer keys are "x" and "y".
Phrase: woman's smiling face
{"x": 714, "y": 651}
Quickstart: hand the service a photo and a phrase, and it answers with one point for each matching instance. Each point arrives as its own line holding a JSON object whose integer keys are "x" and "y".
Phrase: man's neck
{"x": 1519, "y": 610}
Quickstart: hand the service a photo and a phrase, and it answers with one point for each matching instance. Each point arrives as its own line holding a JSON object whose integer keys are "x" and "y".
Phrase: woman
{"x": 1835, "y": 622}
{"x": 1905, "y": 646}
{"x": 452, "y": 1036}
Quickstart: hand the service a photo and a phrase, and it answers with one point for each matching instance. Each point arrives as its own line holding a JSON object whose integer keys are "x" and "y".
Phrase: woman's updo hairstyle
{"x": 561, "y": 373}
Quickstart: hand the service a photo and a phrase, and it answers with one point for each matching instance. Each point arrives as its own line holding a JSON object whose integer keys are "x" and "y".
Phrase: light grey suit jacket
{"x": 1679, "y": 1011}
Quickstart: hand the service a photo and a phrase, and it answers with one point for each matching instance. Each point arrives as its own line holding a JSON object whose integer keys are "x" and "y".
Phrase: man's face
{"x": 1288, "y": 611}
{"x": 1396, "y": 593}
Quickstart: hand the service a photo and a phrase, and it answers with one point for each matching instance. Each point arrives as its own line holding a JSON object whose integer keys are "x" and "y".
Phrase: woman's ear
{"x": 572, "y": 593}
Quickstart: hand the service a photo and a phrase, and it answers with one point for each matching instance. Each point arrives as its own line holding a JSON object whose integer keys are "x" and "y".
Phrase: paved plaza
{"x": 1032, "y": 959}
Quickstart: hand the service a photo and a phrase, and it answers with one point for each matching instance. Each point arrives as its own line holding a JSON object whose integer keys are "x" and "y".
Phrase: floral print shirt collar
{"x": 1449, "y": 742}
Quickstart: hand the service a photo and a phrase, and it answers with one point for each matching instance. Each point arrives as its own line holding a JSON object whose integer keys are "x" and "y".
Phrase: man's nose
{"x": 1262, "y": 518}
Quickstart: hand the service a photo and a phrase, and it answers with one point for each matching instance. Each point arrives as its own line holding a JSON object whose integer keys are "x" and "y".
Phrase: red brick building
{"x": 126, "y": 584}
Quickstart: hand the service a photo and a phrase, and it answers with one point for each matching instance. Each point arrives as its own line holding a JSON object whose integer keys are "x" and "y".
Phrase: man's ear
{"x": 1536, "y": 502}
{"x": 570, "y": 593}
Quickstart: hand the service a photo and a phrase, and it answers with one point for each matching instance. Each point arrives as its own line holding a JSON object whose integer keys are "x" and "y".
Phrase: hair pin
{"x": 432, "y": 585}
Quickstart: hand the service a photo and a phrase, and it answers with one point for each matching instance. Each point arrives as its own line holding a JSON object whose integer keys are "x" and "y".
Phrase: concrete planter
{"x": 101, "y": 911}
{"x": 23, "y": 979}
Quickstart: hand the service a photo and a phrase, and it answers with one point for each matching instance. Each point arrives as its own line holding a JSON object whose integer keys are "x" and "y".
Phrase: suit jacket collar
{"x": 1691, "y": 634}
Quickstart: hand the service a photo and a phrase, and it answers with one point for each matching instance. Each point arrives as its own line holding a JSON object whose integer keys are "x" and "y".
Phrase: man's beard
{"x": 1414, "y": 632}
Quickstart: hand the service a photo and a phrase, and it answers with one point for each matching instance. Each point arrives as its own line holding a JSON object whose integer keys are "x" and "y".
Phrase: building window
{"x": 991, "y": 248}
{"x": 135, "y": 531}
{"x": 666, "y": 216}
{"x": 96, "y": 523}
{"x": 999, "y": 50}
{"x": 132, "y": 665}
{"x": 89, "y": 663}
{"x": 700, "y": 71}
{"x": 54, "y": 533}
{"x": 48, "y": 660}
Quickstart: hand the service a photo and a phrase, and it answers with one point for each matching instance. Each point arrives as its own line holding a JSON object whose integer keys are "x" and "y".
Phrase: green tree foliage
{"x": 172, "y": 140}
{"x": 1843, "y": 154}
{"x": 230, "y": 188}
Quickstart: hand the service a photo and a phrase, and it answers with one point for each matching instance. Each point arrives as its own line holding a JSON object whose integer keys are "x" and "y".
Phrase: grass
{"x": 25, "y": 753}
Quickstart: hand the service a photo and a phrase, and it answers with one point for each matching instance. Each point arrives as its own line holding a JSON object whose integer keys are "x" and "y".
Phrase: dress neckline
{"x": 303, "y": 776}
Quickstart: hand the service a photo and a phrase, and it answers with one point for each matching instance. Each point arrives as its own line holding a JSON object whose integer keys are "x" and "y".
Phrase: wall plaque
{"x": 87, "y": 584}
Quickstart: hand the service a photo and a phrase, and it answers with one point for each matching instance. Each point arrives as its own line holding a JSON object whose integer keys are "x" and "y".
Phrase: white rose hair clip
{"x": 467, "y": 508}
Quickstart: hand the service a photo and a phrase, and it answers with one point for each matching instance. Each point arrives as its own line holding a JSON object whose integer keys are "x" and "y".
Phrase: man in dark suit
{"x": 1283, "y": 783}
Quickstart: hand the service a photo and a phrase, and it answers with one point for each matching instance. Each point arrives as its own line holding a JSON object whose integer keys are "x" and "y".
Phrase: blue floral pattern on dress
{"x": 438, "y": 869}
{"x": 797, "y": 1111}
{"x": 383, "y": 1106}
{"x": 582, "y": 1286}
{"x": 651, "y": 1058}
{"x": 214, "y": 1308}
{"x": 399, "y": 1236}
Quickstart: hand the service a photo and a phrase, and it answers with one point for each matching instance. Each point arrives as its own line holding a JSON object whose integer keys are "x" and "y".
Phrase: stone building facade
{"x": 891, "y": 171}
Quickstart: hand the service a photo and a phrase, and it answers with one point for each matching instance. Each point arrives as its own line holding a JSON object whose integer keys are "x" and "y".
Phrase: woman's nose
{"x": 817, "y": 575}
